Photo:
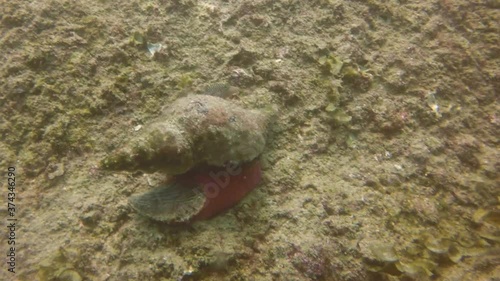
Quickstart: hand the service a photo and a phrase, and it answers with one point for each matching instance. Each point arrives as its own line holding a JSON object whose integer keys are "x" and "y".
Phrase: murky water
{"x": 380, "y": 159}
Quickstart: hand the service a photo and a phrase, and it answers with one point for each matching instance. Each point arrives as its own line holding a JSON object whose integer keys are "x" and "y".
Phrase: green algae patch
{"x": 331, "y": 64}
{"x": 58, "y": 267}
{"x": 357, "y": 77}
{"x": 185, "y": 81}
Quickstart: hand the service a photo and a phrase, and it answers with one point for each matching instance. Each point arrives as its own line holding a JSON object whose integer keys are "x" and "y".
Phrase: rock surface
{"x": 398, "y": 145}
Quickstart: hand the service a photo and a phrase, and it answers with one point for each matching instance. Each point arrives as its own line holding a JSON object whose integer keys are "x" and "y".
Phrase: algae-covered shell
{"x": 199, "y": 129}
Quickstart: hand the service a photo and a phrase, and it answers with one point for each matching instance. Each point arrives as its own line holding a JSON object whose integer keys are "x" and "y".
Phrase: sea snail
{"x": 211, "y": 146}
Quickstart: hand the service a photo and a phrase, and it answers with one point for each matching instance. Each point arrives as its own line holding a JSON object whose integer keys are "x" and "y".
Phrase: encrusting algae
{"x": 210, "y": 144}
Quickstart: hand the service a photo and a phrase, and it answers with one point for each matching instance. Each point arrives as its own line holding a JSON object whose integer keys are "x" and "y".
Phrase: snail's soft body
{"x": 199, "y": 194}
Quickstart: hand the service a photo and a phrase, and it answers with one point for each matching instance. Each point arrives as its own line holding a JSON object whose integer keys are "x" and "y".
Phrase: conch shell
{"x": 209, "y": 144}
